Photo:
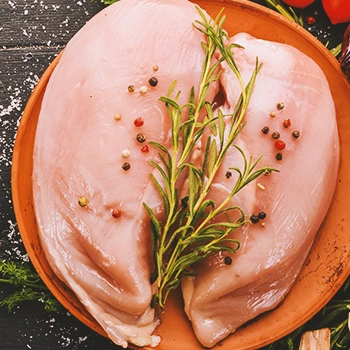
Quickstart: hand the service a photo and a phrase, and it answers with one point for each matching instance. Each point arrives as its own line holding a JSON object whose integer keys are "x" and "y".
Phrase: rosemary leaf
{"x": 288, "y": 13}
{"x": 196, "y": 226}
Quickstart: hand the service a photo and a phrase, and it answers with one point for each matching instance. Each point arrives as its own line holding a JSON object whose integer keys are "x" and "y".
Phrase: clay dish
{"x": 327, "y": 265}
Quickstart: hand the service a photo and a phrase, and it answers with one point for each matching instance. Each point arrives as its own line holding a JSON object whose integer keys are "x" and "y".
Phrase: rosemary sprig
{"x": 188, "y": 233}
{"x": 336, "y": 50}
{"x": 288, "y": 13}
{"x": 28, "y": 286}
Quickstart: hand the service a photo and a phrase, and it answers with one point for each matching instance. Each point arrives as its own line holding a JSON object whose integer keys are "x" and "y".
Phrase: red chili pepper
{"x": 338, "y": 11}
{"x": 299, "y": 3}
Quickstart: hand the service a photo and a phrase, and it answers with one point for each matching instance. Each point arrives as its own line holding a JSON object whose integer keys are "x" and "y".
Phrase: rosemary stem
{"x": 5, "y": 281}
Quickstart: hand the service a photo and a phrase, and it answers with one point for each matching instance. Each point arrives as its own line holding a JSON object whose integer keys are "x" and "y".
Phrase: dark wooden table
{"x": 32, "y": 33}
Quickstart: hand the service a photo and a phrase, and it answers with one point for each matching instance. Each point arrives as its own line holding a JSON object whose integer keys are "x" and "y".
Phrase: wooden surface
{"x": 32, "y": 33}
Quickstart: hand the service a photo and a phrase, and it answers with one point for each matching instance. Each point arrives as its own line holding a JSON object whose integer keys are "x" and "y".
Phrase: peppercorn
{"x": 143, "y": 89}
{"x": 138, "y": 122}
{"x": 228, "y": 174}
{"x": 126, "y": 166}
{"x": 126, "y": 153}
{"x": 83, "y": 202}
{"x": 287, "y": 123}
{"x": 228, "y": 260}
{"x": 131, "y": 88}
{"x": 272, "y": 114}
{"x": 145, "y": 149}
{"x": 296, "y": 134}
{"x": 153, "y": 81}
{"x": 280, "y": 106}
{"x": 279, "y": 156}
{"x": 117, "y": 117}
{"x": 275, "y": 135}
{"x": 280, "y": 145}
{"x": 116, "y": 213}
{"x": 141, "y": 137}
{"x": 265, "y": 130}
{"x": 262, "y": 215}
{"x": 254, "y": 219}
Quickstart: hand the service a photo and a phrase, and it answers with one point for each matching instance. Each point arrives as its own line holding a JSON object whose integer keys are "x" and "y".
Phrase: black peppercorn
{"x": 265, "y": 130}
{"x": 262, "y": 215}
{"x": 126, "y": 166}
{"x": 254, "y": 219}
{"x": 279, "y": 156}
{"x": 141, "y": 137}
{"x": 280, "y": 106}
{"x": 228, "y": 260}
{"x": 153, "y": 81}
{"x": 296, "y": 134}
{"x": 275, "y": 135}
{"x": 228, "y": 174}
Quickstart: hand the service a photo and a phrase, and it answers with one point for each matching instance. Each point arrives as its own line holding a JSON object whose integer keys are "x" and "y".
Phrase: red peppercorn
{"x": 138, "y": 122}
{"x": 116, "y": 213}
{"x": 280, "y": 145}
{"x": 310, "y": 20}
{"x": 287, "y": 123}
{"x": 145, "y": 149}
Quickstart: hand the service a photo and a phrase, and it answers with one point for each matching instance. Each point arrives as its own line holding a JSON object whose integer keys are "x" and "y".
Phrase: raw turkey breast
{"x": 97, "y": 115}
{"x": 292, "y": 99}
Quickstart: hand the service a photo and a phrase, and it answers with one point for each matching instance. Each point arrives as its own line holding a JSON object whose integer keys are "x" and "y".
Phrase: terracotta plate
{"x": 327, "y": 265}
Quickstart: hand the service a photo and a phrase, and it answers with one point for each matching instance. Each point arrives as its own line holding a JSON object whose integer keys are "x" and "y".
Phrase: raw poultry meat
{"x": 291, "y": 116}
{"x": 98, "y": 109}
{"x": 92, "y": 173}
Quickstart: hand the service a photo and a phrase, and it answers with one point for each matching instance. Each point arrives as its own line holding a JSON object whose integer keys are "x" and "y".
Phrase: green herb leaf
{"x": 196, "y": 226}
{"x": 28, "y": 284}
{"x": 288, "y": 13}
